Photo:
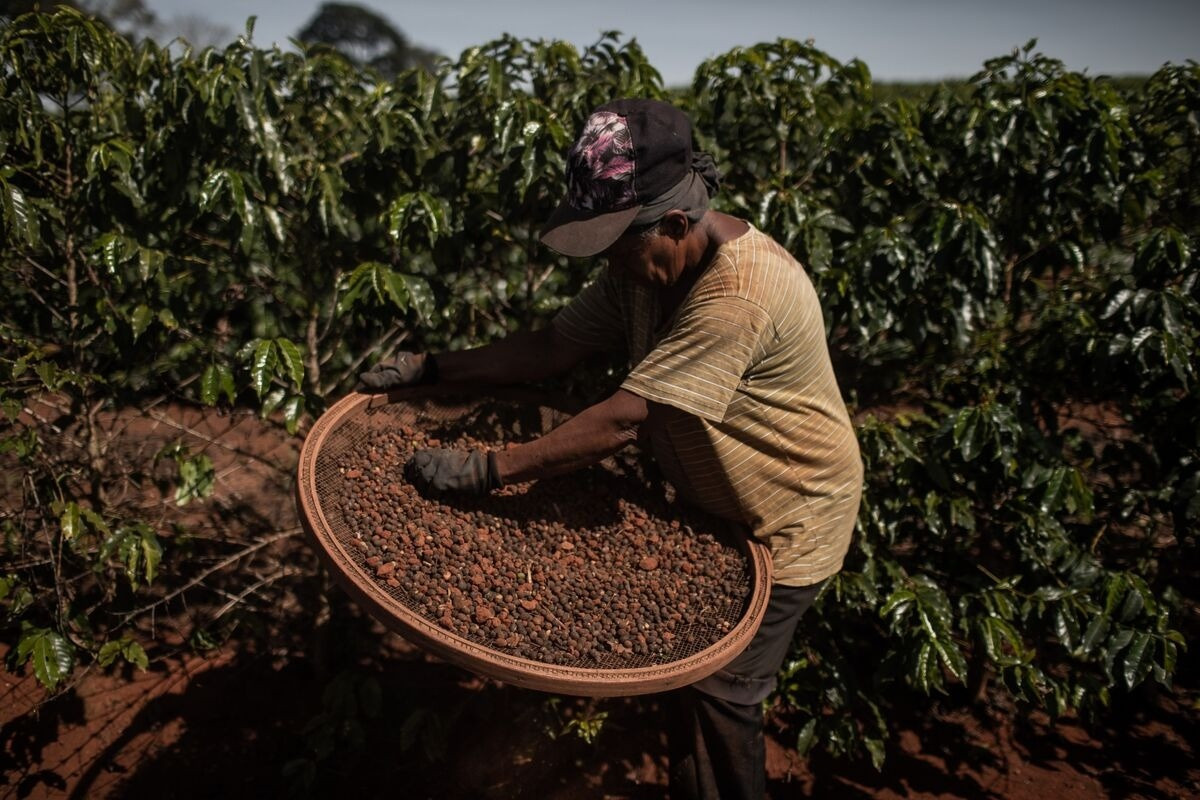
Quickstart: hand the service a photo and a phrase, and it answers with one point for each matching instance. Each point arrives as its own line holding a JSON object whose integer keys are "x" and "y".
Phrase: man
{"x": 730, "y": 382}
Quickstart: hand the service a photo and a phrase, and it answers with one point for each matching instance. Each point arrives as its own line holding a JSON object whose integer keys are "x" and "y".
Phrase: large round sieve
{"x": 354, "y": 420}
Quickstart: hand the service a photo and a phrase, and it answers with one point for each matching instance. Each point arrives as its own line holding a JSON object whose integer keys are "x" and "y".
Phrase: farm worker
{"x": 730, "y": 383}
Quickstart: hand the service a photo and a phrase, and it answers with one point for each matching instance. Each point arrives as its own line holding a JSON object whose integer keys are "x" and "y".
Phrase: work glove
{"x": 469, "y": 471}
{"x": 406, "y": 369}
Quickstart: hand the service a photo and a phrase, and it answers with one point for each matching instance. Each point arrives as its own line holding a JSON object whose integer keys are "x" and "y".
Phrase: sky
{"x": 898, "y": 39}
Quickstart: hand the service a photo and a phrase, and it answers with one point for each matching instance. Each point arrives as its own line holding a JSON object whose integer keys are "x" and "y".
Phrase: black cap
{"x": 630, "y": 152}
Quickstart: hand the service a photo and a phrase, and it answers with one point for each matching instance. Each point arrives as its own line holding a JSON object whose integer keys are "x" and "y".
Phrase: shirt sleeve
{"x": 593, "y": 318}
{"x": 699, "y": 364}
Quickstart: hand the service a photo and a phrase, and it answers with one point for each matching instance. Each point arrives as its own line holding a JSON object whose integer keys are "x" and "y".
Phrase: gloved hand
{"x": 406, "y": 369}
{"x": 453, "y": 471}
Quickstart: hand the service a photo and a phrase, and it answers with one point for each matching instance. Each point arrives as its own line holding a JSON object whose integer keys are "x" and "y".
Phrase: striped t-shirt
{"x": 758, "y": 432}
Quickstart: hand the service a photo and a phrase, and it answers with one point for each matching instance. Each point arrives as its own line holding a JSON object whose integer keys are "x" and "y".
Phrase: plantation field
{"x": 203, "y": 249}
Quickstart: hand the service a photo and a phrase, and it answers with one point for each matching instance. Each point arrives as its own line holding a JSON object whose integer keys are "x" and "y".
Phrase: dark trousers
{"x": 715, "y": 726}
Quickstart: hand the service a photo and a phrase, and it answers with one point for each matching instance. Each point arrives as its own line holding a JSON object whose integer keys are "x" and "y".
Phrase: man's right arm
{"x": 521, "y": 357}
{"x": 590, "y": 323}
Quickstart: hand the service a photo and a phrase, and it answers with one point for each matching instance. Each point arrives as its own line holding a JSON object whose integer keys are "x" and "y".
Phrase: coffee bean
{"x": 612, "y": 581}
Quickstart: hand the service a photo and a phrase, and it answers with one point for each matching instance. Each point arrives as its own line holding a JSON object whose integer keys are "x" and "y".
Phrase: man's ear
{"x": 675, "y": 224}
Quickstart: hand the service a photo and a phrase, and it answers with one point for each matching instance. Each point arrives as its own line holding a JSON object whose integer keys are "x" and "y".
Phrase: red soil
{"x": 226, "y": 723}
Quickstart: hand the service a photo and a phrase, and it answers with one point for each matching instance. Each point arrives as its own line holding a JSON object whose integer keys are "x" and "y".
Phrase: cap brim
{"x": 579, "y": 233}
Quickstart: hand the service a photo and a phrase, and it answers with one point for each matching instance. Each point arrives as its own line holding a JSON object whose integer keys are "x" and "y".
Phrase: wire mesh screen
{"x": 584, "y": 509}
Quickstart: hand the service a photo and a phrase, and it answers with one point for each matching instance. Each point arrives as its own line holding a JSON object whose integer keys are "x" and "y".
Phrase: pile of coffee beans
{"x": 589, "y": 570}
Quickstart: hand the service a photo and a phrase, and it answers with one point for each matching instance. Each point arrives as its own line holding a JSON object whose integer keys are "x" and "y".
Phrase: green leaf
{"x": 108, "y": 653}
{"x": 22, "y": 599}
{"x": 137, "y": 548}
{"x": 211, "y": 189}
{"x": 398, "y": 215}
{"x": 201, "y": 640}
{"x": 1097, "y": 629}
{"x": 1133, "y": 605}
{"x": 1114, "y": 590}
{"x": 409, "y": 207}
{"x": 52, "y": 656}
{"x": 237, "y": 191}
{"x": 1079, "y": 498}
{"x": 420, "y": 297}
{"x": 19, "y": 215}
{"x": 806, "y": 738}
{"x": 95, "y": 520}
{"x": 129, "y": 553}
{"x": 394, "y": 288}
{"x": 262, "y": 366}
{"x": 1001, "y": 641}
{"x": 210, "y": 385}
{"x": 150, "y": 262}
{"x": 1142, "y": 336}
{"x": 127, "y": 649}
{"x": 225, "y": 381}
{"x": 70, "y": 522}
{"x": 922, "y": 667}
{"x": 898, "y": 603}
{"x": 951, "y": 657}
{"x": 140, "y": 320}
{"x": 196, "y": 478}
{"x": 1066, "y": 626}
{"x": 966, "y": 433}
{"x": 113, "y": 251}
{"x": 1139, "y": 658}
{"x": 272, "y": 402}
{"x": 1117, "y": 303}
{"x": 330, "y": 207}
{"x": 876, "y": 749}
{"x": 275, "y": 224}
{"x": 356, "y": 285}
{"x": 293, "y": 409}
{"x": 1170, "y": 655}
{"x": 1116, "y": 644}
{"x": 152, "y": 553}
{"x": 529, "y": 170}
{"x": 1055, "y": 489}
{"x": 293, "y": 361}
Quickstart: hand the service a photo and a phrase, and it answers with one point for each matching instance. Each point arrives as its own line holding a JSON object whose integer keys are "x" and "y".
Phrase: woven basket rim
{"x": 456, "y": 649}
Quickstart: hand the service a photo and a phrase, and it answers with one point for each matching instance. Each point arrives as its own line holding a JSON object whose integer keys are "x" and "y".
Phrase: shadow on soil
{"x": 390, "y": 724}
{"x": 1144, "y": 747}
{"x": 258, "y": 728}
{"x": 23, "y": 741}
{"x": 383, "y": 720}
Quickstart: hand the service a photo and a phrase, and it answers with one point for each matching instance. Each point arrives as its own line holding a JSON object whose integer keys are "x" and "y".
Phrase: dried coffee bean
{"x": 562, "y": 573}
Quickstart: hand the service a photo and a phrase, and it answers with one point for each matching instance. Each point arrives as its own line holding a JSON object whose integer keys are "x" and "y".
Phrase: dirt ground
{"x": 256, "y": 715}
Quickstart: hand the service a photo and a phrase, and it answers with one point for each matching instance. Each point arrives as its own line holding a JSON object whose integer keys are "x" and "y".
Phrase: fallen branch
{"x": 237, "y": 599}
{"x": 199, "y": 579}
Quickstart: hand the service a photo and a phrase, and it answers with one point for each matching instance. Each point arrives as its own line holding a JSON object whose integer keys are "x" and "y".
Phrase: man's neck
{"x": 701, "y": 243}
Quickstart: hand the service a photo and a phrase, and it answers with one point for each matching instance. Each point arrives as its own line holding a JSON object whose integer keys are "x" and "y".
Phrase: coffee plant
{"x": 1002, "y": 265}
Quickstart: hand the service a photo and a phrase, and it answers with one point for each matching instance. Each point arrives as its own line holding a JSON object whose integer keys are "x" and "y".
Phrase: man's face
{"x": 655, "y": 260}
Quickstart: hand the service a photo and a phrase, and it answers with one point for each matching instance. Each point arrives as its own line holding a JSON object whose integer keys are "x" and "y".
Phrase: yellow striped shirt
{"x": 759, "y": 433}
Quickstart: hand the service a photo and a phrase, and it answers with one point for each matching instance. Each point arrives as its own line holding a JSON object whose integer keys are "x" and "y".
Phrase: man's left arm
{"x": 590, "y": 436}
